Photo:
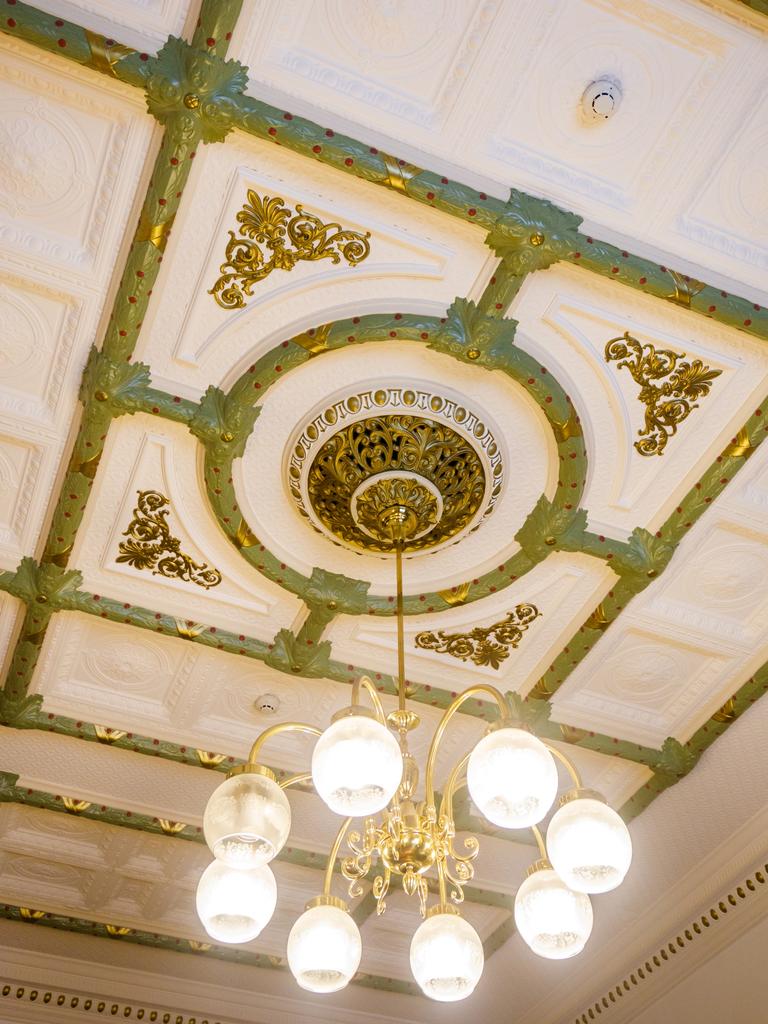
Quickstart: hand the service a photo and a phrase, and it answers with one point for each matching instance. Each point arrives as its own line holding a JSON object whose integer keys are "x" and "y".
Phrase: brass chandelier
{"x": 362, "y": 769}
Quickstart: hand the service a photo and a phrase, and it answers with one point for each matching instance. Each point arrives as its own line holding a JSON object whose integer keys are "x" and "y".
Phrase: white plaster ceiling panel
{"x": 73, "y": 149}
{"x": 517, "y": 424}
{"x": 564, "y": 587}
{"x": 684, "y": 645}
{"x": 403, "y": 65}
{"x": 566, "y": 318}
{"x": 143, "y": 24}
{"x": 28, "y": 464}
{"x": 144, "y": 453}
{"x": 419, "y": 261}
{"x": 728, "y": 210}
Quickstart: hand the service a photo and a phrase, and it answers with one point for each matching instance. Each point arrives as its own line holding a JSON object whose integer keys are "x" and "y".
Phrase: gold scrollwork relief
{"x": 669, "y": 387}
{"x": 151, "y": 545}
{"x": 484, "y": 645}
{"x": 275, "y": 238}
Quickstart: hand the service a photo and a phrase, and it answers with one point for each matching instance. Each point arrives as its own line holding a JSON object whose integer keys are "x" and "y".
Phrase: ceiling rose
{"x": 346, "y": 468}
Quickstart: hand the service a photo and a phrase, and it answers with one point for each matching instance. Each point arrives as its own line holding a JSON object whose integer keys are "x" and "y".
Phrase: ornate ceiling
{"x": 182, "y": 360}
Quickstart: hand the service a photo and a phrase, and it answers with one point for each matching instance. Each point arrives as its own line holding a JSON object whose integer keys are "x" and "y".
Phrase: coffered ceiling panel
{"x": 146, "y": 454}
{"x": 508, "y": 79}
{"x": 144, "y": 24}
{"x": 691, "y": 639}
{"x": 567, "y": 318}
{"x": 419, "y": 261}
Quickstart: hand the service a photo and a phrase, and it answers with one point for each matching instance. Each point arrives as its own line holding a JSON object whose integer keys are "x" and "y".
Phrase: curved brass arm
{"x": 450, "y": 711}
{"x": 572, "y": 769}
{"x": 451, "y": 785}
{"x": 334, "y": 853}
{"x": 365, "y": 683}
{"x": 540, "y": 841}
{"x": 296, "y": 780}
{"x": 274, "y": 730}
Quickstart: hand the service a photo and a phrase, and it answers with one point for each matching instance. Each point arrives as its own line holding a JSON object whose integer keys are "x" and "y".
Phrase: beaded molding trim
{"x": 99, "y": 1007}
{"x": 664, "y": 954}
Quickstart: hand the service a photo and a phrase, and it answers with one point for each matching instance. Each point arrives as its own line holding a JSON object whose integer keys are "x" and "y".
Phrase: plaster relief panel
{"x": 567, "y": 317}
{"x": 418, "y": 262}
{"x": 643, "y": 686}
{"x": 142, "y": 455}
{"x": 72, "y": 152}
{"x": 142, "y": 24}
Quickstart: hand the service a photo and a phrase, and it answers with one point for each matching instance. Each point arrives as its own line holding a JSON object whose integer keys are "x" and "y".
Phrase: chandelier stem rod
{"x": 334, "y": 853}
{"x": 400, "y": 629}
{"x": 274, "y": 730}
{"x": 441, "y": 883}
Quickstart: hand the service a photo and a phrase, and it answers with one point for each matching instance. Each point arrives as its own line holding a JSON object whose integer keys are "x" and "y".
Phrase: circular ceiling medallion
{"x": 419, "y": 452}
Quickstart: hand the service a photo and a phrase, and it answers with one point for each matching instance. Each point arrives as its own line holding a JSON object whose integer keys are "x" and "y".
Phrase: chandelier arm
{"x": 451, "y": 787}
{"x": 366, "y": 683}
{"x": 450, "y": 711}
{"x": 274, "y": 730}
{"x": 296, "y": 780}
{"x": 572, "y": 769}
{"x": 334, "y": 853}
{"x": 441, "y": 882}
{"x": 540, "y": 841}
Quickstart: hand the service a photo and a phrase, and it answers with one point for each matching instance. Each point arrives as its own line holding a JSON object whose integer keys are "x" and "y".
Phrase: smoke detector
{"x": 601, "y": 99}
{"x": 267, "y": 704}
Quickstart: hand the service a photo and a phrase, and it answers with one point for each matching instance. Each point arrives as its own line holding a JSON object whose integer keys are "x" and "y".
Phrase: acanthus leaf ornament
{"x": 669, "y": 387}
{"x": 484, "y": 645}
{"x": 274, "y": 238}
{"x": 151, "y": 545}
{"x": 472, "y": 337}
{"x": 532, "y": 234}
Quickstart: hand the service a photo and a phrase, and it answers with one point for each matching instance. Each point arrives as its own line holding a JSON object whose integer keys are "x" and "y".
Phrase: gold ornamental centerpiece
{"x": 399, "y": 487}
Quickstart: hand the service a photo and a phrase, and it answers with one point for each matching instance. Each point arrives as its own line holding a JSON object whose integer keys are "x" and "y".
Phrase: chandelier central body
{"x": 364, "y": 772}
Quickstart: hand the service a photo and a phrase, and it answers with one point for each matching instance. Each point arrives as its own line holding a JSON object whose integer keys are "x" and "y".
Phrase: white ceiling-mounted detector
{"x": 267, "y": 704}
{"x": 601, "y": 99}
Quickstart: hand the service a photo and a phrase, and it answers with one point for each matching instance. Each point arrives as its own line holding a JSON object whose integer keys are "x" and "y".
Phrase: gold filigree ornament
{"x": 669, "y": 387}
{"x": 151, "y": 545}
{"x": 275, "y": 238}
{"x": 484, "y": 645}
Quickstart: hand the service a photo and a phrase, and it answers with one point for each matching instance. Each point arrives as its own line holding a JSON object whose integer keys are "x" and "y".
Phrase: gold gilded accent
{"x": 726, "y": 713}
{"x": 151, "y": 546}
{"x": 118, "y": 931}
{"x": 666, "y": 404}
{"x": 245, "y": 537}
{"x": 386, "y": 493}
{"x": 208, "y": 759}
{"x": 540, "y": 691}
{"x": 399, "y": 172}
{"x": 598, "y": 619}
{"x": 188, "y": 629}
{"x": 105, "y": 735}
{"x": 571, "y": 428}
{"x": 86, "y": 468}
{"x": 685, "y": 289}
{"x": 571, "y": 734}
{"x": 741, "y": 446}
{"x": 191, "y": 101}
{"x": 314, "y": 341}
{"x": 266, "y": 225}
{"x": 75, "y": 806}
{"x": 171, "y": 828}
{"x": 396, "y": 444}
{"x": 484, "y": 645}
{"x": 199, "y": 947}
{"x": 105, "y": 53}
{"x": 537, "y": 239}
{"x": 31, "y": 915}
{"x": 157, "y": 234}
{"x": 455, "y": 595}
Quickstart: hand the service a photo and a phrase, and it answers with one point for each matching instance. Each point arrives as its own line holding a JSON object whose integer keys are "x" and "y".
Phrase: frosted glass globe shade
{"x": 554, "y": 920}
{"x": 512, "y": 778}
{"x": 446, "y": 957}
{"x": 247, "y": 820}
{"x": 357, "y": 766}
{"x": 324, "y": 949}
{"x": 235, "y": 904}
{"x": 589, "y": 845}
